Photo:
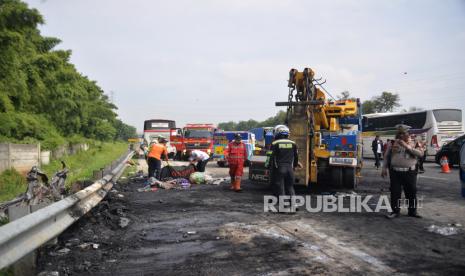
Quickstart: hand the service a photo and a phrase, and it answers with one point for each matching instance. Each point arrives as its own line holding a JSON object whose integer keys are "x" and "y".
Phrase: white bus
{"x": 436, "y": 127}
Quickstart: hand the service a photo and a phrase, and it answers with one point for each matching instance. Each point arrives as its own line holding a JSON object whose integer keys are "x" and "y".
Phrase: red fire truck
{"x": 198, "y": 137}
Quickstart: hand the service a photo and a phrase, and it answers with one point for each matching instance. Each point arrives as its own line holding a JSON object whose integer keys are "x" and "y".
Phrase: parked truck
{"x": 198, "y": 137}
{"x": 327, "y": 133}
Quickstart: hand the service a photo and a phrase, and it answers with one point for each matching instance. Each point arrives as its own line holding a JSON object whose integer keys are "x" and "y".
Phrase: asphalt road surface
{"x": 210, "y": 230}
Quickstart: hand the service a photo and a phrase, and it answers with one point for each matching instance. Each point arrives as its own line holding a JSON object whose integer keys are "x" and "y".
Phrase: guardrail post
{"x": 26, "y": 265}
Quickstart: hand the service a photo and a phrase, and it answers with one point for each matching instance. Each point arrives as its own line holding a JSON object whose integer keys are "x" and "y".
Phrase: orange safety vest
{"x": 236, "y": 153}
{"x": 157, "y": 150}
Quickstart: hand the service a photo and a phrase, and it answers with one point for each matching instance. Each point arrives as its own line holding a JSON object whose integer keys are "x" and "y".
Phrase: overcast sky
{"x": 213, "y": 61}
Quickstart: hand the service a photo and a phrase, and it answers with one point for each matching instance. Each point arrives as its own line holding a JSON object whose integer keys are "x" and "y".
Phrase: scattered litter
{"x": 445, "y": 231}
{"x": 455, "y": 224}
{"x": 197, "y": 178}
{"x": 60, "y": 252}
{"x": 218, "y": 181}
{"x": 85, "y": 245}
{"x": 147, "y": 188}
{"x": 191, "y": 232}
{"x": 123, "y": 222}
{"x": 183, "y": 183}
{"x": 208, "y": 179}
{"x": 95, "y": 245}
{"x": 111, "y": 261}
{"x": 120, "y": 195}
{"x": 167, "y": 185}
{"x": 49, "y": 273}
{"x": 123, "y": 177}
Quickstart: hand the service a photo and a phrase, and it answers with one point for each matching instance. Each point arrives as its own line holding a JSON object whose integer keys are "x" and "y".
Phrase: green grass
{"x": 12, "y": 183}
{"x": 80, "y": 165}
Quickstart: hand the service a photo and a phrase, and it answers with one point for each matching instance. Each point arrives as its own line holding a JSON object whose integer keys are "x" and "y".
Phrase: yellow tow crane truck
{"x": 327, "y": 133}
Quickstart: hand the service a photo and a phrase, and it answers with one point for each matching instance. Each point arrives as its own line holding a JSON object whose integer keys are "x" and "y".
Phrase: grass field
{"x": 80, "y": 167}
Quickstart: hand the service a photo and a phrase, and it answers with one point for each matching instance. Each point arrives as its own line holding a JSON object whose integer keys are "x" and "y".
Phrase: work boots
{"x": 237, "y": 185}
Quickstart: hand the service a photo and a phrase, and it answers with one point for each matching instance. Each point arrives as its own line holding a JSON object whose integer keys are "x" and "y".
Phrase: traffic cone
{"x": 445, "y": 165}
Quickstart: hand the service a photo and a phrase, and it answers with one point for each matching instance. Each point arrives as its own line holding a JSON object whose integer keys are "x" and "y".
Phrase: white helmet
{"x": 281, "y": 129}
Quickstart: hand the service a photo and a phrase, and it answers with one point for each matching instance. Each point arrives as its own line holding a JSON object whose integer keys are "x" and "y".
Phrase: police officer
{"x": 401, "y": 159}
{"x": 284, "y": 159}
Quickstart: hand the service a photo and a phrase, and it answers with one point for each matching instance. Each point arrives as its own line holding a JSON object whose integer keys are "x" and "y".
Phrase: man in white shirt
{"x": 201, "y": 158}
{"x": 377, "y": 147}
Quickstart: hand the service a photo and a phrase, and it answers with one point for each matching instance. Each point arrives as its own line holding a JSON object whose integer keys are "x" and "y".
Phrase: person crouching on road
{"x": 156, "y": 152}
{"x": 401, "y": 159}
{"x": 201, "y": 158}
{"x": 283, "y": 160}
{"x": 236, "y": 154}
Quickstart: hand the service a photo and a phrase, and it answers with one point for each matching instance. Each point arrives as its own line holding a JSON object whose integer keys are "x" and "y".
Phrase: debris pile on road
{"x": 92, "y": 243}
{"x": 153, "y": 184}
{"x": 449, "y": 230}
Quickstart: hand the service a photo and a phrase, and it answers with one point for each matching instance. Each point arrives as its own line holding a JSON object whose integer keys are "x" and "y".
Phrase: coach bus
{"x": 159, "y": 128}
{"x": 435, "y": 126}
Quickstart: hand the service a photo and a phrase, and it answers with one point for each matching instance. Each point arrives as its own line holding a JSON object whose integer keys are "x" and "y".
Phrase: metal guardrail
{"x": 20, "y": 237}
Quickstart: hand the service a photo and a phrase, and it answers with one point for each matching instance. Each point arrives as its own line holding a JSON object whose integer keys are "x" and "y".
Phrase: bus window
{"x": 442, "y": 115}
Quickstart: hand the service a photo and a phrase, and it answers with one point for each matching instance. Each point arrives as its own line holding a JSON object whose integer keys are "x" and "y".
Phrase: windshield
{"x": 193, "y": 133}
{"x": 442, "y": 115}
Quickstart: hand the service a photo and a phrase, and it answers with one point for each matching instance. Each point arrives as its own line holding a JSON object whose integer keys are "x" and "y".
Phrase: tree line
{"x": 42, "y": 95}
{"x": 278, "y": 119}
{"x": 386, "y": 102}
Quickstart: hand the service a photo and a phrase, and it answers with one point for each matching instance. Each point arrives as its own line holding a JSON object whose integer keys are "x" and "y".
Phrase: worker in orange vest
{"x": 236, "y": 154}
{"x": 156, "y": 152}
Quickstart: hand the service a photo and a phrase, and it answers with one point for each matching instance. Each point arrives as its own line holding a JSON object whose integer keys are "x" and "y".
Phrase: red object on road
{"x": 445, "y": 165}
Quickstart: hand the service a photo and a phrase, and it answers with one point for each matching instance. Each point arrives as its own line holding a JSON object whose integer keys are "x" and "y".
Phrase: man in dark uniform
{"x": 283, "y": 161}
{"x": 377, "y": 148}
{"x": 401, "y": 160}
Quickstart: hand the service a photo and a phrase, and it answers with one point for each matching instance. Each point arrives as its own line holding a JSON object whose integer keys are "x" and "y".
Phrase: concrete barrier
{"x": 19, "y": 156}
{"x": 23, "y": 156}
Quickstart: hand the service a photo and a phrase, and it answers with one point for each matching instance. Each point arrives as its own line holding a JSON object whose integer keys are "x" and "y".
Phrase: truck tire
{"x": 337, "y": 179}
{"x": 220, "y": 164}
{"x": 349, "y": 178}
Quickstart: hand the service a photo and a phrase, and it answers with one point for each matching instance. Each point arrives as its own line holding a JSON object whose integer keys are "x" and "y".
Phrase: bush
{"x": 12, "y": 183}
{"x": 28, "y": 129}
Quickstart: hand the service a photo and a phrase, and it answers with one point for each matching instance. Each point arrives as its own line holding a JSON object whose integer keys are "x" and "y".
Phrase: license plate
{"x": 342, "y": 161}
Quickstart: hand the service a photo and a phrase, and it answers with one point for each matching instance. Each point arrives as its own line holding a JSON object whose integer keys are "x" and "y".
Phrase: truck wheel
{"x": 246, "y": 163}
{"x": 337, "y": 177}
{"x": 350, "y": 181}
{"x": 220, "y": 164}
